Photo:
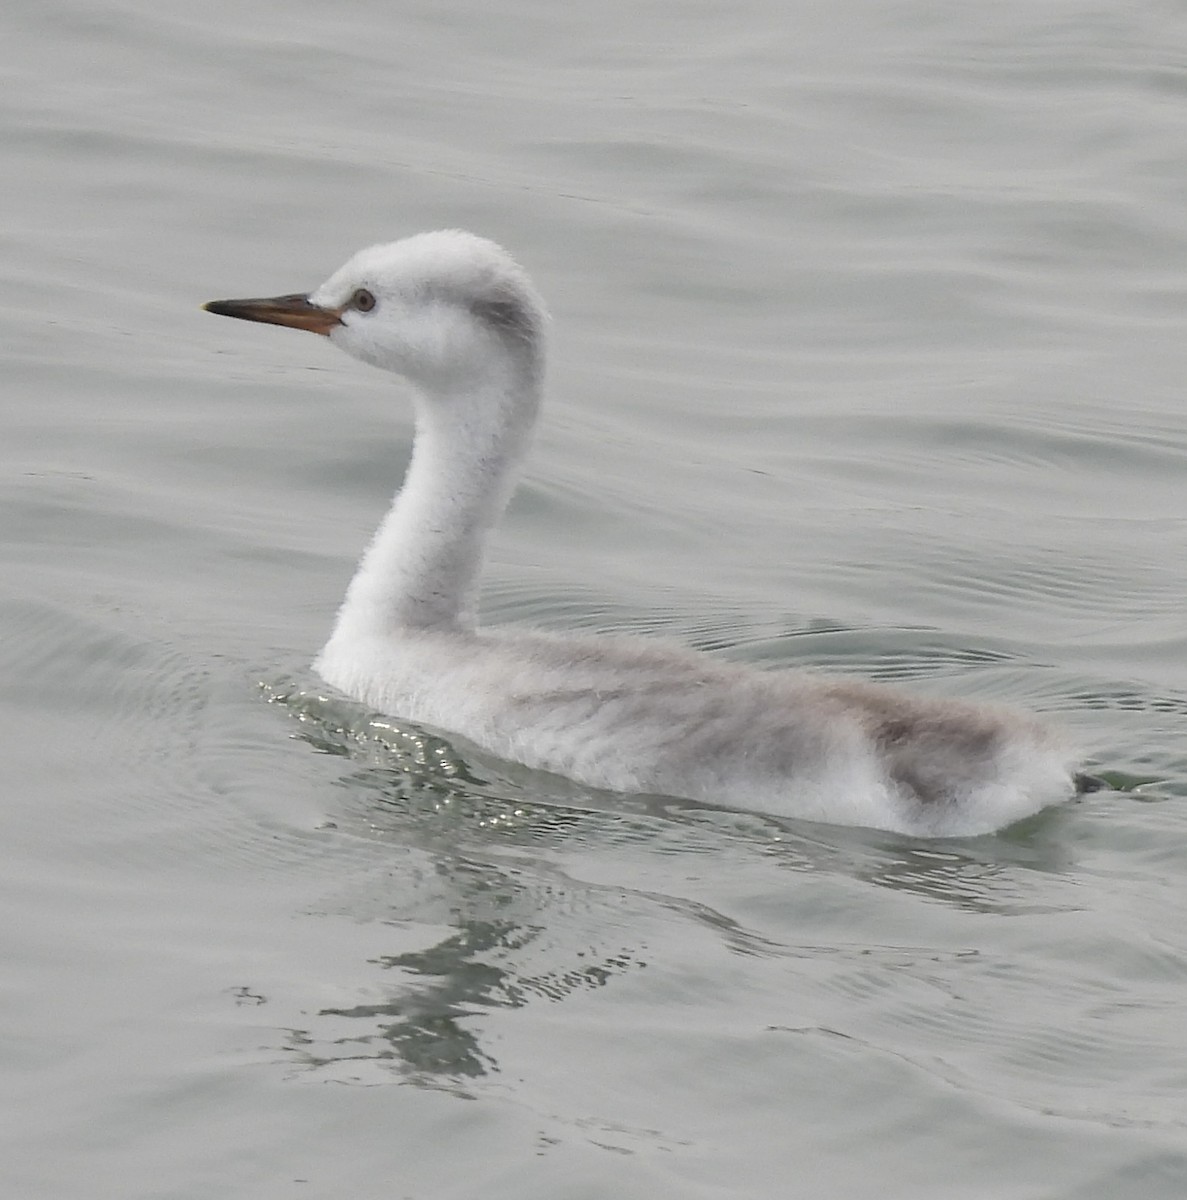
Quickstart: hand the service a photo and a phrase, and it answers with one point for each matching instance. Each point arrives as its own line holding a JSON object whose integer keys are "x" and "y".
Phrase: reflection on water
{"x": 429, "y": 1028}
{"x": 423, "y": 1028}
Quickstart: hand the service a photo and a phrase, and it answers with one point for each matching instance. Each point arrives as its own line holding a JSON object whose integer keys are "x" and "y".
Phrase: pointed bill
{"x": 294, "y": 311}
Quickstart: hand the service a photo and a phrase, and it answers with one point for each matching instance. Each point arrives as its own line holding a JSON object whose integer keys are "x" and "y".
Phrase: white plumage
{"x": 456, "y": 316}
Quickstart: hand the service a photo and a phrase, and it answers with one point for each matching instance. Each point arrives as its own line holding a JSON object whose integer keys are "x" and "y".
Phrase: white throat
{"x": 421, "y": 568}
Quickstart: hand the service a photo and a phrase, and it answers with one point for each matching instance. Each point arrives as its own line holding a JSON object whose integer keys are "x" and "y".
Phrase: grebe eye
{"x": 363, "y": 300}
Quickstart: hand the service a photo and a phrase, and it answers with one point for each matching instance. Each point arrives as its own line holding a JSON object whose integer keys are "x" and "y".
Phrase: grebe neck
{"x": 421, "y": 568}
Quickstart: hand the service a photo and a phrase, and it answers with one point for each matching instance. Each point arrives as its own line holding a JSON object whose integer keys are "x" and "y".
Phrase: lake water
{"x": 868, "y": 355}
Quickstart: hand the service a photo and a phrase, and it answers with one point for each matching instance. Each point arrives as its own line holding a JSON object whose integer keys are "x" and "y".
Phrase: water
{"x": 868, "y": 355}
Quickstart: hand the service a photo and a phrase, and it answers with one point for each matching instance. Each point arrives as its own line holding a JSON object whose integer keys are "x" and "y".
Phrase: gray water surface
{"x": 868, "y": 356}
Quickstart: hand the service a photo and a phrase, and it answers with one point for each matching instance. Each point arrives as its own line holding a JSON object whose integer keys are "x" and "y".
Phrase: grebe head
{"x": 443, "y": 309}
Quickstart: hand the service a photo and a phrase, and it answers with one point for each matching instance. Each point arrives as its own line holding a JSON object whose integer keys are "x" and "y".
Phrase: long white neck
{"x": 421, "y": 569}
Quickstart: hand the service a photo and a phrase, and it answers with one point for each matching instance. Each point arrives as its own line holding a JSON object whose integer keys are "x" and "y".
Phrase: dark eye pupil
{"x": 363, "y": 300}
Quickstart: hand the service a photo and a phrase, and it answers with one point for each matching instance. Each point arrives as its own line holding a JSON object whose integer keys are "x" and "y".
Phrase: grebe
{"x": 457, "y": 318}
